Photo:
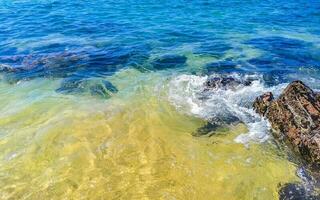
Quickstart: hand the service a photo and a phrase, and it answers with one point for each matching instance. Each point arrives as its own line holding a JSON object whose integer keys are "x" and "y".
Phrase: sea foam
{"x": 187, "y": 94}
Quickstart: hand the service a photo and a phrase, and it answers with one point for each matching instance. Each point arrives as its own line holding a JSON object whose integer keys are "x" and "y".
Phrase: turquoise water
{"x": 99, "y": 99}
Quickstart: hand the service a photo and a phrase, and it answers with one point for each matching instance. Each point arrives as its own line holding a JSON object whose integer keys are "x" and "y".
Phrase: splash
{"x": 187, "y": 94}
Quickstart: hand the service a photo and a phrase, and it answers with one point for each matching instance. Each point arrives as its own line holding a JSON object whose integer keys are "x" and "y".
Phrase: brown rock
{"x": 295, "y": 115}
{"x": 262, "y": 103}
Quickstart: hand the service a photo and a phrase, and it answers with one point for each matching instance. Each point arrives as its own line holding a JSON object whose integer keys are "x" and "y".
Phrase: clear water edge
{"x": 66, "y": 147}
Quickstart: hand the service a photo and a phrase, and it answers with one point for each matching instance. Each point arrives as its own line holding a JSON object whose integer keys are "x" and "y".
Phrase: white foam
{"x": 187, "y": 93}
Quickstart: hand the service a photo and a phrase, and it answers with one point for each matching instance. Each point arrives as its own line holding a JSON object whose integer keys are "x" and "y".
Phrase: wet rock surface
{"x": 262, "y": 103}
{"x": 296, "y": 191}
{"x": 225, "y": 82}
{"x": 295, "y": 117}
{"x": 225, "y": 118}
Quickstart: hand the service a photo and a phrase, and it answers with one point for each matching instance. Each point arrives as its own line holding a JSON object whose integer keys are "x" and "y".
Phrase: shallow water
{"x": 62, "y": 146}
{"x": 99, "y": 100}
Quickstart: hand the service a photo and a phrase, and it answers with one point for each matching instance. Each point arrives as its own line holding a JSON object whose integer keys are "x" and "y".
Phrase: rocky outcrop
{"x": 294, "y": 116}
{"x": 262, "y": 103}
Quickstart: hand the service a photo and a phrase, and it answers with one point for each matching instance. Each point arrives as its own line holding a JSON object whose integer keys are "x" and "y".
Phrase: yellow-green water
{"x": 135, "y": 145}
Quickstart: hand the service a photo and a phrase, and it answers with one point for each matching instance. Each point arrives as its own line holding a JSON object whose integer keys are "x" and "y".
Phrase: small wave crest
{"x": 188, "y": 94}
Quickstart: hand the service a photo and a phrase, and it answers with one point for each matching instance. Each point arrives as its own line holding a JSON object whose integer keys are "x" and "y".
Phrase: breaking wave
{"x": 187, "y": 94}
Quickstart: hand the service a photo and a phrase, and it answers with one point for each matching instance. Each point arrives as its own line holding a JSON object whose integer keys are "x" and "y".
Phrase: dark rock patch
{"x": 108, "y": 85}
{"x": 27, "y": 67}
{"x": 216, "y": 49}
{"x": 262, "y": 62}
{"x": 169, "y": 61}
{"x": 78, "y": 85}
{"x": 225, "y": 82}
{"x": 100, "y": 91}
{"x": 277, "y": 44}
{"x": 7, "y": 68}
{"x": 102, "y": 62}
{"x": 215, "y": 123}
{"x": 205, "y": 129}
{"x": 225, "y": 66}
{"x": 283, "y": 52}
{"x": 73, "y": 84}
{"x": 295, "y": 191}
{"x": 292, "y": 191}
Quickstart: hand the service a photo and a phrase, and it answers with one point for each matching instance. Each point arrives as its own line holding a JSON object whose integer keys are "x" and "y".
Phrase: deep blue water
{"x": 79, "y": 39}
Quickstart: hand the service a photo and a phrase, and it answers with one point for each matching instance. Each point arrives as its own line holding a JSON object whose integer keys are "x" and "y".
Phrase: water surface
{"x": 99, "y": 99}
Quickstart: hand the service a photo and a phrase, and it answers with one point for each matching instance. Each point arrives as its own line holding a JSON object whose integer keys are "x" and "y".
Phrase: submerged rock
{"x": 71, "y": 85}
{"x": 104, "y": 89}
{"x": 216, "y": 49}
{"x": 7, "y": 68}
{"x": 99, "y": 90}
{"x": 295, "y": 116}
{"x": 216, "y": 122}
{"x": 205, "y": 129}
{"x": 100, "y": 62}
{"x": 222, "y": 67}
{"x": 292, "y": 191}
{"x": 295, "y": 191}
{"x": 169, "y": 61}
{"x": 76, "y": 85}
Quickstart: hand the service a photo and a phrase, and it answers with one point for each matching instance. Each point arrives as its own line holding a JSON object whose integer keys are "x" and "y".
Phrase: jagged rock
{"x": 296, "y": 116}
{"x": 262, "y": 103}
{"x": 225, "y": 83}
